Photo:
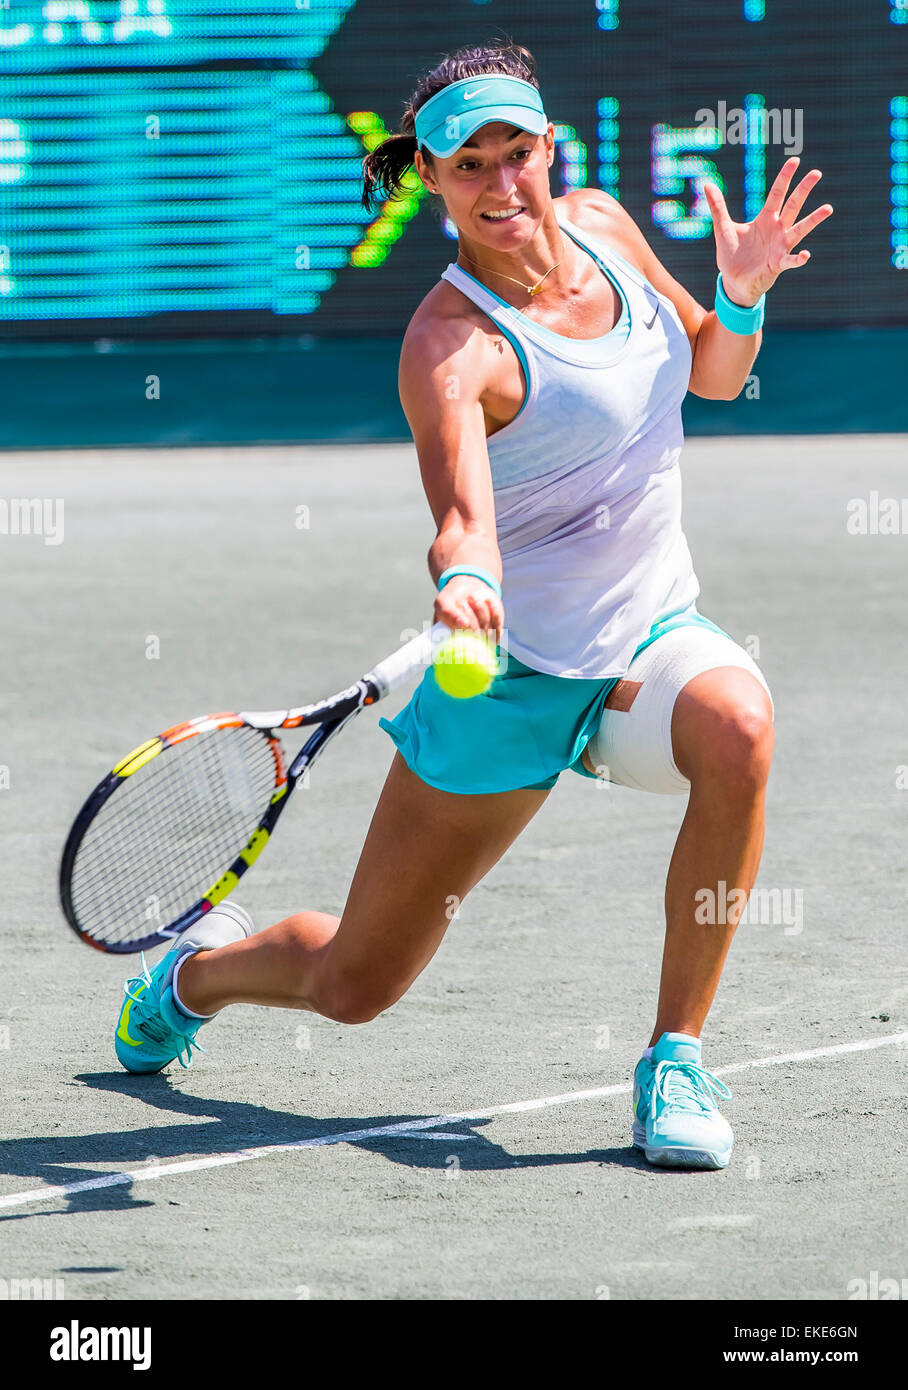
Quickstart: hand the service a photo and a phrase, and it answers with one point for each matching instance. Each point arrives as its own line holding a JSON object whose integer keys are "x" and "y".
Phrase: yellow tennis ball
{"x": 465, "y": 664}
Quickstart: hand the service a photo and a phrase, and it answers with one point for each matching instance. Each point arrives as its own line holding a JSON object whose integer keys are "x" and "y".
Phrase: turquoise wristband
{"x": 735, "y": 317}
{"x": 475, "y": 571}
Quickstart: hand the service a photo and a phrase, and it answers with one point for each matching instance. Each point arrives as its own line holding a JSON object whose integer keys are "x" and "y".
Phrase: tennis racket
{"x": 171, "y": 830}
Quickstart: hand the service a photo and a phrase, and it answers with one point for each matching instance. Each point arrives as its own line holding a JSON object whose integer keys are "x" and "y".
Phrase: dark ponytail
{"x": 385, "y": 167}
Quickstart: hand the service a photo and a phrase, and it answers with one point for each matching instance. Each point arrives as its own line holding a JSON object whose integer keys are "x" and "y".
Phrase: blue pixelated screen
{"x": 193, "y": 166}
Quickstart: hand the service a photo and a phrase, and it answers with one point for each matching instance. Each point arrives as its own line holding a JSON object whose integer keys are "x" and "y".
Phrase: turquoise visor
{"x": 449, "y": 118}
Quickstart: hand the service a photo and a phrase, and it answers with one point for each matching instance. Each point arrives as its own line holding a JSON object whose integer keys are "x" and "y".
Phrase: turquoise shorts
{"x": 524, "y": 731}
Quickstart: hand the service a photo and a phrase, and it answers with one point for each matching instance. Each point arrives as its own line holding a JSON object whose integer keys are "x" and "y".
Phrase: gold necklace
{"x": 531, "y": 289}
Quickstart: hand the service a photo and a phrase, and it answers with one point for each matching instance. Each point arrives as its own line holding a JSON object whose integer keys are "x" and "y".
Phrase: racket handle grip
{"x": 398, "y": 668}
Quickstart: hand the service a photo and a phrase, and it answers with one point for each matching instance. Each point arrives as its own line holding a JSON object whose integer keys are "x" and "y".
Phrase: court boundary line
{"x": 151, "y": 1172}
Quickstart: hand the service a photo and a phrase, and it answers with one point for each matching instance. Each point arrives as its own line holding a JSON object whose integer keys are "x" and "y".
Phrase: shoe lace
{"x": 186, "y": 1043}
{"x": 687, "y": 1083}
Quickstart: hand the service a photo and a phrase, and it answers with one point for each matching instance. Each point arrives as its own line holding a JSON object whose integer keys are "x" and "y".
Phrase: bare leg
{"x": 722, "y": 740}
{"x": 424, "y": 851}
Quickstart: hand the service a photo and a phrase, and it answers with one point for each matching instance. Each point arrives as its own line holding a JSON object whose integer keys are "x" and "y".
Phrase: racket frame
{"x": 330, "y": 716}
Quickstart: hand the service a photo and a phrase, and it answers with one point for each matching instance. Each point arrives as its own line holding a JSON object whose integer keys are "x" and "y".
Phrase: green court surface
{"x": 181, "y": 392}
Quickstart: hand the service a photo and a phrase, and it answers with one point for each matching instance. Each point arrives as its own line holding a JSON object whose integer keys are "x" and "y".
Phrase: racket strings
{"x": 170, "y": 831}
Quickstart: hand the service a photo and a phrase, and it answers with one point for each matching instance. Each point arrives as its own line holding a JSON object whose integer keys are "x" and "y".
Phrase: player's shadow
{"x": 225, "y": 1126}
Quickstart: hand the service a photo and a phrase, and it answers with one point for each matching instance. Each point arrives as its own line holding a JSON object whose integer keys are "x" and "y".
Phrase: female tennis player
{"x": 542, "y": 379}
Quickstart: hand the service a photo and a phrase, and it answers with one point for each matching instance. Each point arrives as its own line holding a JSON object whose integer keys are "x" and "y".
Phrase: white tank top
{"x": 587, "y": 480}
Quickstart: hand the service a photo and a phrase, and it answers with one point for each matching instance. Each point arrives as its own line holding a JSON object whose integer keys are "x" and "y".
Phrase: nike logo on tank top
{"x": 587, "y": 480}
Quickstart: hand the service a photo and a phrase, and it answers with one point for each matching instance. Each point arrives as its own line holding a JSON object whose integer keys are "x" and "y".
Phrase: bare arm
{"x": 722, "y": 360}
{"x": 751, "y": 256}
{"x": 441, "y": 380}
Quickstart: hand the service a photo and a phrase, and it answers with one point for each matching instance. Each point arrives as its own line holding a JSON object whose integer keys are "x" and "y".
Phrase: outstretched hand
{"x": 752, "y": 255}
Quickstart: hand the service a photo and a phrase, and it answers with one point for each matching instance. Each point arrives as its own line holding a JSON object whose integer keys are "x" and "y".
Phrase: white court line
{"x": 195, "y": 1165}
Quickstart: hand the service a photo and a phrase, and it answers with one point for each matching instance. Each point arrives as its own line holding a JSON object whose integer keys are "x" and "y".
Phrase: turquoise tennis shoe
{"x": 676, "y": 1120}
{"x": 152, "y": 1029}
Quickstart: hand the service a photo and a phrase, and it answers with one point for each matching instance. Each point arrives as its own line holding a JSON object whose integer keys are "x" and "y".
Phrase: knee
{"x": 744, "y": 744}
{"x": 734, "y": 744}
{"x": 349, "y": 1009}
{"x": 347, "y": 997}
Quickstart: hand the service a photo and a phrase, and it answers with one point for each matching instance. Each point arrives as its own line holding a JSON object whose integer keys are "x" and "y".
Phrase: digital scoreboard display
{"x": 193, "y": 166}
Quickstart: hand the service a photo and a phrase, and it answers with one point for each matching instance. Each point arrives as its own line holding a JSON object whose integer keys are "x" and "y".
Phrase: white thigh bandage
{"x": 634, "y": 746}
